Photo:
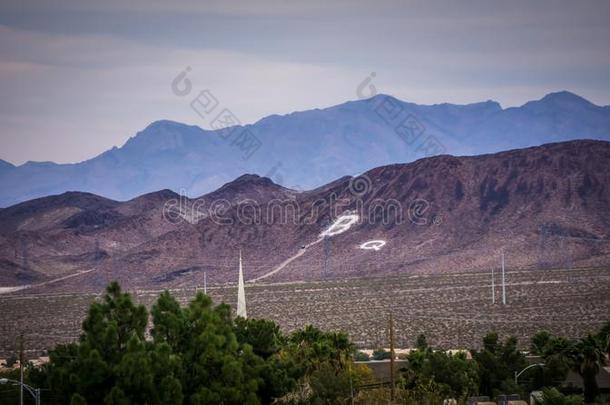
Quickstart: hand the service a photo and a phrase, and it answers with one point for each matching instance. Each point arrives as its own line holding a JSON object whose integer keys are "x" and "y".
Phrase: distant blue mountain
{"x": 5, "y": 166}
{"x": 309, "y": 148}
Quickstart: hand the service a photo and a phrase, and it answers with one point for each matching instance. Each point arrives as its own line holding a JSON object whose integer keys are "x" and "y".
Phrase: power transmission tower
{"x": 24, "y": 254}
{"x": 327, "y": 252}
{"x": 391, "y": 357}
{"x": 543, "y": 234}
{"x": 98, "y": 255}
{"x": 567, "y": 257}
{"x": 98, "y": 252}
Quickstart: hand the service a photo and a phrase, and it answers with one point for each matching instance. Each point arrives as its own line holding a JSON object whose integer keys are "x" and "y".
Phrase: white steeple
{"x": 241, "y": 293}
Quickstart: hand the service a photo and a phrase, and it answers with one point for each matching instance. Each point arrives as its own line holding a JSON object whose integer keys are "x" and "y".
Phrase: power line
{"x": 327, "y": 252}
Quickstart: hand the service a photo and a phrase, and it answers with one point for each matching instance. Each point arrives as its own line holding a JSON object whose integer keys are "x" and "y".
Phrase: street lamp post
{"x": 517, "y": 374}
{"x": 35, "y": 392}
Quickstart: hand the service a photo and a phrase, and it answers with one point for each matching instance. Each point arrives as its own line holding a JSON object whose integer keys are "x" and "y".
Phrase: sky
{"x": 79, "y": 77}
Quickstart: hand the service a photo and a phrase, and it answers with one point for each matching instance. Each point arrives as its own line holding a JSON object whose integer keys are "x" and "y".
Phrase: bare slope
{"x": 545, "y": 207}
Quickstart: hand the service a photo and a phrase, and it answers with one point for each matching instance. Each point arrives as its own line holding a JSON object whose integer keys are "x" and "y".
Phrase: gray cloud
{"x": 79, "y": 77}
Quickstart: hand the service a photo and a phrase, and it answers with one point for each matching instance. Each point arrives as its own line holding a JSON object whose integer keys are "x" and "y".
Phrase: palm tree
{"x": 342, "y": 349}
{"x": 557, "y": 356}
{"x": 604, "y": 336}
{"x": 587, "y": 358}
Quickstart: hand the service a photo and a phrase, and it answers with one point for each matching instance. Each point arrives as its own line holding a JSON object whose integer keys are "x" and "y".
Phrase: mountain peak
{"x": 564, "y": 97}
{"x": 158, "y": 136}
{"x": 251, "y": 179}
{"x": 164, "y": 194}
{"x": 383, "y": 97}
{"x": 164, "y": 124}
{"x": 161, "y": 127}
{"x": 250, "y": 186}
{"x": 489, "y": 104}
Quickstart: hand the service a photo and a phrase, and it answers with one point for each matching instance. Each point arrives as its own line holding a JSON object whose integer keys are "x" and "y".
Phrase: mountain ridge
{"x": 305, "y": 149}
{"x": 544, "y": 206}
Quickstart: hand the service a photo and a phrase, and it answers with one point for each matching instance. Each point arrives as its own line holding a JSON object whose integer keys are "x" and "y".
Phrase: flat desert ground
{"x": 453, "y": 310}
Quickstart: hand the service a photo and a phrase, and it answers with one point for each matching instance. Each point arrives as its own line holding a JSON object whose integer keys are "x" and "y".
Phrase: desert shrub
{"x": 361, "y": 356}
{"x": 381, "y": 354}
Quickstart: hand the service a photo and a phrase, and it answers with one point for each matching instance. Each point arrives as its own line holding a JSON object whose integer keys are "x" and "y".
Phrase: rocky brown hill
{"x": 544, "y": 207}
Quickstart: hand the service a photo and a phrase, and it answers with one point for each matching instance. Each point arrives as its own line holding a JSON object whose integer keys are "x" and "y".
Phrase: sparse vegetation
{"x": 552, "y": 396}
{"x": 361, "y": 356}
{"x": 299, "y": 364}
{"x": 453, "y": 311}
{"x": 381, "y": 354}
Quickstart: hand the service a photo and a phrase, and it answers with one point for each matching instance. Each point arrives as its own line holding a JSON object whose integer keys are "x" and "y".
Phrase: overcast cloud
{"x": 77, "y": 77}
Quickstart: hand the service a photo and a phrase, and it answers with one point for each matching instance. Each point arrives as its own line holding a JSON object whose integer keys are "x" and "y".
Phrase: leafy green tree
{"x": 194, "y": 357}
{"x": 330, "y": 386}
{"x": 78, "y": 399}
{"x": 11, "y": 360}
{"x": 311, "y": 347}
{"x": 497, "y": 363}
{"x": 170, "y": 322}
{"x": 556, "y": 353}
{"x": 89, "y": 369}
{"x": 278, "y": 372}
{"x": 427, "y": 392}
{"x": 216, "y": 368}
{"x": 551, "y": 396}
{"x": 584, "y": 356}
{"x": 32, "y": 376}
{"x": 421, "y": 343}
{"x": 361, "y": 356}
{"x": 381, "y": 354}
{"x": 540, "y": 342}
{"x": 263, "y": 335}
{"x": 318, "y": 354}
{"x": 454, "y": 375}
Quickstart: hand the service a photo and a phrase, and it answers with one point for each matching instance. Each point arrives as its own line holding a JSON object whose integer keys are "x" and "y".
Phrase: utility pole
{"x": 351, "y": 386}
{"x": 205, "y": 282}
{"x": 503, "y": 282}
{"x": 493, "y": 287}
{"x": 21, "y": 368}
{"x": 391, "y": 357}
